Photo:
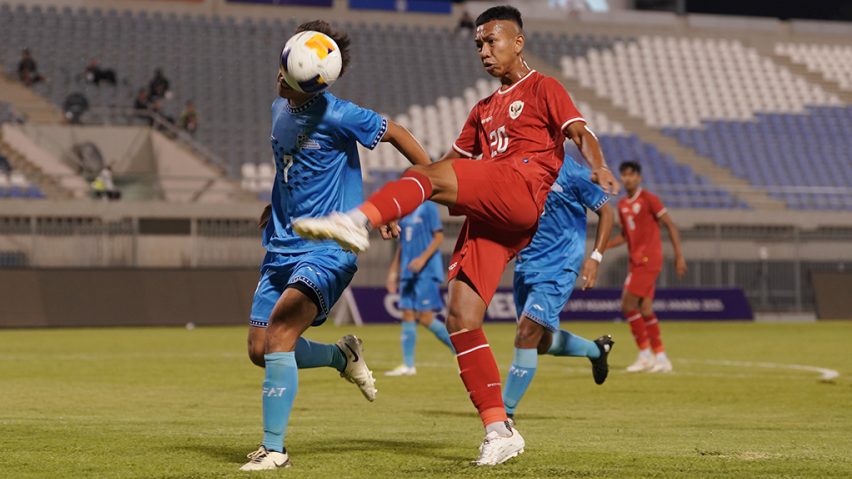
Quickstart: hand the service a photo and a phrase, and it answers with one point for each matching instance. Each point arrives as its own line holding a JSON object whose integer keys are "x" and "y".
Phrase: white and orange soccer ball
{"x": 311, "y": 62}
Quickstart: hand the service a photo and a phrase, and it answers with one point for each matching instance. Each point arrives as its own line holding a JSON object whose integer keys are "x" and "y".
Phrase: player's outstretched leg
{"x": 393, "y": 201}
{"x": 408, "y": 342}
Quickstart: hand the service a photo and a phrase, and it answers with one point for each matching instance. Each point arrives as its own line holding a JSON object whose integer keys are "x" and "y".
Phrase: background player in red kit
{"x": 640, "y": 214}
{"x": 518, "y": 134}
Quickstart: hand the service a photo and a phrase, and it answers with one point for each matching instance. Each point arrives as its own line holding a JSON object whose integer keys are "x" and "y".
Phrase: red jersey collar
{"x": 501, "y": 91}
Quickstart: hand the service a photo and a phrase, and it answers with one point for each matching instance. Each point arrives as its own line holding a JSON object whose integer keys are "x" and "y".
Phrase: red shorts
{"x": 641, "y": 281}
{"x": 502, "y": 217}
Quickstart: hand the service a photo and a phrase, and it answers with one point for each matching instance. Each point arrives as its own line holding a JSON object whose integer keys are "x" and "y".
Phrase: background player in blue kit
{"x": 314, "y": 141}
{"x": 545, "y": 273}
{"x": 417, "y": 273}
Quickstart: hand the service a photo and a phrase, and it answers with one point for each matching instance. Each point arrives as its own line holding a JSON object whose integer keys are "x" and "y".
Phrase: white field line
{"x": 825, "y": 374}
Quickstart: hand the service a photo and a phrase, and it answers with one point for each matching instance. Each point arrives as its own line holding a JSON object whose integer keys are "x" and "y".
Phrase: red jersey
{"x": 639, "y": 217}
{"x": 524, "y": 121}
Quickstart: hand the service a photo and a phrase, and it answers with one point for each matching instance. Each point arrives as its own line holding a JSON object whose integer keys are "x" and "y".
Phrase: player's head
{"x": 340, "y": 37}
{"x": 500, "y": 40}
{"x": 631, "y": 175}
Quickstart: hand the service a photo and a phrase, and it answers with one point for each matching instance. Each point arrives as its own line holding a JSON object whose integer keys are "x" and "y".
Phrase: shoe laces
{"x": 258, "y": 455}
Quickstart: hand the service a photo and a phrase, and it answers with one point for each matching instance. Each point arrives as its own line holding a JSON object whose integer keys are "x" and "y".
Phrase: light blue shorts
{"x": 327, "y": 272}
{"x": 541, "y": 296}
{"x": 420, "y": 293}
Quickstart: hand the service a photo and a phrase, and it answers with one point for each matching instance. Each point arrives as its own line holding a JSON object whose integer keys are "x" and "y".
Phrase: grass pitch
{"x": 157, "y": 403}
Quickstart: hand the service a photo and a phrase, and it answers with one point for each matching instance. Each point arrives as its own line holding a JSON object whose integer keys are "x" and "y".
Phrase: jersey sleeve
{"x": 655, "y": 205}
{"x": 558, "y": 104}
{"x": 467, "y": 144}
{"x": 363, "y": 125}
{"x": 434, "y": 218}
{"x": 592, "y": 195}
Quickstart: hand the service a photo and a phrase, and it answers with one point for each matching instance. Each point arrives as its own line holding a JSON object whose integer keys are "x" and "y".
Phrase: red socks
{"x": 652, "y": 326}
{"x": 397, "y": 198}
{"x": 637, "y": 327}
{"x": 479, "y": 373}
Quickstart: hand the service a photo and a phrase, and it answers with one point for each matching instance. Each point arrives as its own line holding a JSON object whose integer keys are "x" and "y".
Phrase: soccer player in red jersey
{"x": 517, "y": 134}
{"x": 640, "y": 214}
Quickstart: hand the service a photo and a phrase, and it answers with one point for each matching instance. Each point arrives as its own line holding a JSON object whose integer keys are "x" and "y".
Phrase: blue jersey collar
{"x": 304, "y": 106}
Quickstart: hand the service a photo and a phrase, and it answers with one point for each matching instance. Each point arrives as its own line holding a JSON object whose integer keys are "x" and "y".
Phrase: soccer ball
{"x": 310, "y": 62}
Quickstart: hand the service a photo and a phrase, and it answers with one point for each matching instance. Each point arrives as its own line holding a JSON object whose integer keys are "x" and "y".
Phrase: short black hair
{"x": 340, "y": 37}
{"x": 630, "y": 165}
{"x": 503, "y": 12}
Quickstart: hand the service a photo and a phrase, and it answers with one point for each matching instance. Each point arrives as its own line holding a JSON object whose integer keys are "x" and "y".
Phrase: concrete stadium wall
{"x": 125, "y": 297}
{"x": 831, "y": 291}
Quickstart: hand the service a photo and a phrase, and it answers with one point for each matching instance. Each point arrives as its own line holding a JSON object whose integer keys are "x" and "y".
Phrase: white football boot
{"x": 336, "y": 226}
{"x": 496, "y": 449}
{"x": 264, "y": 460}
{"x": 402, "y": 370}
{"x": 356, "y": 370}
{"x": 661, "y": 365}
{"x": 643, "y": 363}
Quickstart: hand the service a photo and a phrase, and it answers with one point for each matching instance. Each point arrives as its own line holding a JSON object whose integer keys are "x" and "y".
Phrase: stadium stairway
{"x": 768, "y": 49}
{"x": 722, "y": 177}
{"x": 35, "y": 175}
{"x": 32, "y": 106}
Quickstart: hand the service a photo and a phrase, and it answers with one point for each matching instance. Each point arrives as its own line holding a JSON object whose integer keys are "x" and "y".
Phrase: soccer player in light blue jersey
{"x": 314, "y": 141}
{"x": 417, "y": 272}
{"x": 545, "y": 273}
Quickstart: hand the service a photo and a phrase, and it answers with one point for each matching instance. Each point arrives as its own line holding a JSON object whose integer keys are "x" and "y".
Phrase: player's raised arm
{"x": 604, "y": 229}
{"x": 401, "y": 139}
{"x": 674, "y": 234}
{"x": 590, "y": 148}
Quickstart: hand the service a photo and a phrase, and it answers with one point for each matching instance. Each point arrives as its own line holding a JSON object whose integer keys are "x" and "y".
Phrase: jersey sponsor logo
{"x": 453, "y": 266}
{"x": 625, "y": 210}
{"x": 486, "y": 120}
{"x": 538, "y": 307}
{"x": 307, "y": 143}
{"x": 557, "y": 188}
{"x": 515, "y": 109}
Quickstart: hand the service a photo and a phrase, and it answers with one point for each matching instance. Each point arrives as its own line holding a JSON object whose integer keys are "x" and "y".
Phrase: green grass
{"x": 151, "y": 403}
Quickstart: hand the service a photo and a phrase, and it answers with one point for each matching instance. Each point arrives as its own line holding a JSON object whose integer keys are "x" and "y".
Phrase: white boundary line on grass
{"x": 826, "y": 374}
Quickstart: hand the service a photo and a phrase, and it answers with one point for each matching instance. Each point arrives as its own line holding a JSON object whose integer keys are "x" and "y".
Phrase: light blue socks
{"x": 279, "y": 391}
{"x": 520, "y": 376}
{"x": 408, "y": 339}
{"x": 567, "y": 344}
{"x": 310, "y": 354}
{"x": 439, "y": 329}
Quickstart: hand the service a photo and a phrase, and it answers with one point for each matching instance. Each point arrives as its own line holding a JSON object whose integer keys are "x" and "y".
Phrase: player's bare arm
{"x": 419, "y": 262}
{"x": 590, "y": 148}
{"x": 674, "y": 234}
{"x": 589, "y": 273}
{"x": 402, "y": 139}
{"x": 616, "y": 241}
{"x": 392, "y": 283}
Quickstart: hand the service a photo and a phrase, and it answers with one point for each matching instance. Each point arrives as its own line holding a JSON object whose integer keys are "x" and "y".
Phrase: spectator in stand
{"x": 159, "y": 85}
{"x": 142, "y": 104}
{"x": 465, "y": 23}
{"x": 95, "y": 74}
{"x": 28, "y": 70}
{"x": 104, "y": 187}
{"x": 189, "y": 118}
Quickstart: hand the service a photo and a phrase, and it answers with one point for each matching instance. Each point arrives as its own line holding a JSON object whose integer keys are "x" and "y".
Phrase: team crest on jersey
{"x": 307, "y": 143}
{"x": 515, "y": 109}
{"x": 636, "y": 208}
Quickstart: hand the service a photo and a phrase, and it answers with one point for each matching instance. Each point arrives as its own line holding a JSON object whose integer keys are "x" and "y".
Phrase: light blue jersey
{"x": 418, "y": 229}
{"x": 317, "y": 166}
{"x": 560, "y": 242}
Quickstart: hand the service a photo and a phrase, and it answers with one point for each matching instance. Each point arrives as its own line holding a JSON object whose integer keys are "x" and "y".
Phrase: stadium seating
{"x": 695, "y": 89}
{"x": 834, "y": 62}
{"x": 732, "y": 105}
